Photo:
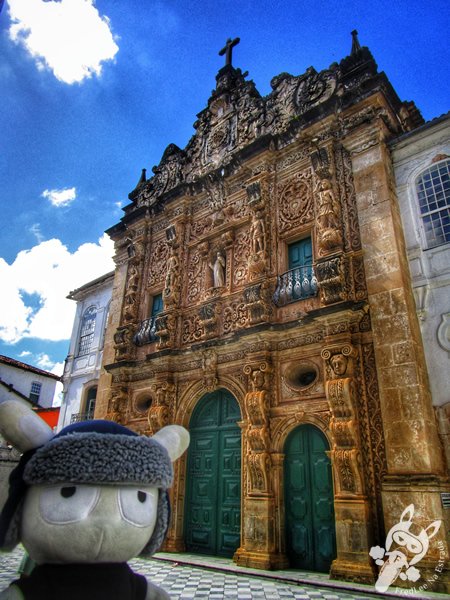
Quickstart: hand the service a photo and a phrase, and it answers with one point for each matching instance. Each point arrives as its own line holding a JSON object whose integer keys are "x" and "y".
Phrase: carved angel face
{"x": 73, "y": 523}
{"x": 339, "y": 364}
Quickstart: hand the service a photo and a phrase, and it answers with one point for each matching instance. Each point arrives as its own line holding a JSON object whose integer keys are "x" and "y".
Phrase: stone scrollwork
{"x": 209, "y": 367}
{"x": 331, "y": 280}
{"x": 159, "y": 411}
{"x": 314, "y": 88}
{"x": 296, "y": 201}
{"x": 117, "y": 405}
{"x": 256, "y": 404}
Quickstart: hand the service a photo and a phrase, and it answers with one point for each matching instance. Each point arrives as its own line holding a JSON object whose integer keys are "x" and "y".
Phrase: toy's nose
{"x": 107, "y": 507}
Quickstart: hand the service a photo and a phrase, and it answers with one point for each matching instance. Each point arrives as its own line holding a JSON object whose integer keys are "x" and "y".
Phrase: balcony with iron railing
{"x": 82, "y": 416}
{"x": 296, "y": 284}
{"x": 146, "y": 332}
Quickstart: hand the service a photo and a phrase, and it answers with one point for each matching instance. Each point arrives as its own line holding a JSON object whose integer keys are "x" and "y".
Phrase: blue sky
{"x": 92, "y": 92}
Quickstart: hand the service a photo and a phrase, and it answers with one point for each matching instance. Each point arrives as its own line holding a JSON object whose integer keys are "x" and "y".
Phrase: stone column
{"x": 415, "y": 470}
{"x": 353, "y": 534}
{"x": 258, "y": 544}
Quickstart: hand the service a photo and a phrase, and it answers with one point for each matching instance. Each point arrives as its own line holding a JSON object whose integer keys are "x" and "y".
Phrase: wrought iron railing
{"x": 82, "y": 416}
{"x": 294, "y": 285}
{"x": 146, "y": 332}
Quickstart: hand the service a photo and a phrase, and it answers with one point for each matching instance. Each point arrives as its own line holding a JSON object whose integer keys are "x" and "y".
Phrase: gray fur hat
{"x": 96, "y": 451}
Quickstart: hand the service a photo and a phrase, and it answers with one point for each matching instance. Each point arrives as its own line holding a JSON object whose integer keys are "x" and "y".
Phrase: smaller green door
{"x": 309, "y": 499}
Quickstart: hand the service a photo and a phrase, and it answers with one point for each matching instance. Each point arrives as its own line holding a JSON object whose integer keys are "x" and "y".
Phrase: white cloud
{"x": 24, "y": 354}
{"x": 67, "y": 36}
{"x": 62, "y": 197}
{"x": 49, "y": 271}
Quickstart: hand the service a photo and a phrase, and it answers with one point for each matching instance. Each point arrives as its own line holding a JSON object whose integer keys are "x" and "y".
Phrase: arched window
{"x": 433, "y": 192}
{"x": 90, "y": 402}
{"x": 87, "y": 331}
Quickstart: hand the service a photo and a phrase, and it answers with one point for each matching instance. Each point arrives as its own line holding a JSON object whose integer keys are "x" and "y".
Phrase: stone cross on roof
{"x": 228, "y": 50}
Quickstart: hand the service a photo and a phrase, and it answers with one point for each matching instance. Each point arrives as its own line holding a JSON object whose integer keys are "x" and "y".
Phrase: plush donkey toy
{"x": 85, "y": 501}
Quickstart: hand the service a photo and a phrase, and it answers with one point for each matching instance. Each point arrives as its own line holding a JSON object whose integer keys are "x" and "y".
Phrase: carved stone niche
{"x": 254, "y": 195}
{"x": 331, "y": 278}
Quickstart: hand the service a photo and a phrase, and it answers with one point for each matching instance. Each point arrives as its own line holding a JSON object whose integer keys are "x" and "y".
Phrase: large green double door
{"x": 310, "y": 525}
{"x": 213, "y": 482}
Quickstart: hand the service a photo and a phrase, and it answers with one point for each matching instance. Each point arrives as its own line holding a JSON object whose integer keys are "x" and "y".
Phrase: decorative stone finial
{"x": 228, "y": 50}
{"x": 356, "y": 46}
{"x": 143, "y": 177}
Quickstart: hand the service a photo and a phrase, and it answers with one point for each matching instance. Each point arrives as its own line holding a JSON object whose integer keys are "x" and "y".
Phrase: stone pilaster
{"x": 413, "y": 452}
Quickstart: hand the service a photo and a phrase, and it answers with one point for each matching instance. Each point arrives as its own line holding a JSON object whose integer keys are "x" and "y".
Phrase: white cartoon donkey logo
{"x": 407, "y": 550}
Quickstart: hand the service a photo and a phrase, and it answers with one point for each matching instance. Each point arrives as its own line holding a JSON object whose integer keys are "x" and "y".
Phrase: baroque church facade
{"x": 262, "y": 299}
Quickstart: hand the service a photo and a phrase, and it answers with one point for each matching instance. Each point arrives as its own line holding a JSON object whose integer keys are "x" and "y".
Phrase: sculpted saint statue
{"x": 218, "y": 269}
{"x": 258, "y": 234}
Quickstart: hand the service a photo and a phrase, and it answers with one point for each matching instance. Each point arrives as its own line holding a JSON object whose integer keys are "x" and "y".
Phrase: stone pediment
{"x": 237, "y": 116}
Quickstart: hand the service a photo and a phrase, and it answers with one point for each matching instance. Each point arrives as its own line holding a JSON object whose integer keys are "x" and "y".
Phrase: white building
{"x": 422, "y": 169}
{"x": 83, "y": 363}
{"x": 24, "y": 381}
{"x": 28, "y": 384}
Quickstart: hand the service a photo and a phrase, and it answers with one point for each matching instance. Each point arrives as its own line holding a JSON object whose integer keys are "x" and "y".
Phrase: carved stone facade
{"x": 212, "y": 232}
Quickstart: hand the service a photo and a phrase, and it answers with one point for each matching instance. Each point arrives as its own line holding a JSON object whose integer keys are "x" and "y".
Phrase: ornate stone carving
{"x": 159, "y": 411}
{"x": 208, "y": 319}
{"x": 159, "y": 252}
{"x": 241, "y": 257}
{"x": 314, "y": 88}
{"x": 195, "y": 274}
{"x": 259, "y": 466}
{"x": 235, "y": 316}
{"x": 328, "y": 219}
{"x": 117, "y": 405}
{"x": 192, "y": 329}
{"x": 171, "y": 293}
{"x": 331, "y": 279}
{"x": 165, "y": 329}
{"x": 296, "y": 201}
{"x": 346, "y": 187}
{"x": 209, "y": 367}
{"x": 123, "y": 345}
{"x": 257, "y": 298}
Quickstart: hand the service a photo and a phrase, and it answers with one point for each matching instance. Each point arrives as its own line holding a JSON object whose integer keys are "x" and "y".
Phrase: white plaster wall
{"x": 430, "y": 268}
{"x": 21, "y": 380}
{"x": 82, "y": 372}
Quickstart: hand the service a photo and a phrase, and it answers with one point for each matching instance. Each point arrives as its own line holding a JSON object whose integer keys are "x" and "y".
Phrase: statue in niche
{"x": 328, "y": 218}
{"x": 218, "y": 269}
{"x": 172, "y": 274}
{"x": 132, "y": 278}
{"x": 258, "y": 234}
{"x": 339, "y": 364}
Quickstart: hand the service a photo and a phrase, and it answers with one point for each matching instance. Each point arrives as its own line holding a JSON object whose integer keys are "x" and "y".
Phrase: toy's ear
{"x": 21, "y": 427}
{"x": 174, "y": 438}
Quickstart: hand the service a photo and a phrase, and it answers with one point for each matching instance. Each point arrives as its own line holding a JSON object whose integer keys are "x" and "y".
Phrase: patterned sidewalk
{"x": 187, "y": 577}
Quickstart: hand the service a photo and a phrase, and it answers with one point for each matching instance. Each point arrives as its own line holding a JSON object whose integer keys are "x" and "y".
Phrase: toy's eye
{"x": 138, "y": 506}
{"x": 68, "y": 491}
{"x": 61, "y": 504}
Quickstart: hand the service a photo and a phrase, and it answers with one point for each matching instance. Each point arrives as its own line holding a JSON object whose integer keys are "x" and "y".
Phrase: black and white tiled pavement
{"x": 187, "y": 577}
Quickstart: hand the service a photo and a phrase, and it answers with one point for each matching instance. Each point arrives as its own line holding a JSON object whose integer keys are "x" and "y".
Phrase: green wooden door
{"x": 213, "y": 488}
{"x": 300, "y": 254}
{"x": 310, "y": 526}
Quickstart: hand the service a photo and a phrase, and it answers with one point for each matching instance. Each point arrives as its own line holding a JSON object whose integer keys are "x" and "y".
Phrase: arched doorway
{"x": 308, "y": 487}
{"x": 213, "y": 482}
